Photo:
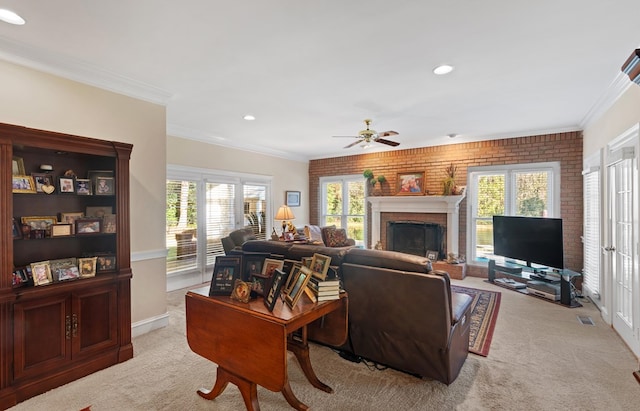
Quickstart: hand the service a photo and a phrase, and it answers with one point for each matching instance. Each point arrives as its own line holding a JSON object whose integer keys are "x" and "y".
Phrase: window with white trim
{"x": 343, "y": 204}
{"x": 528, "y": 190}
{"x": 202, "y": 207}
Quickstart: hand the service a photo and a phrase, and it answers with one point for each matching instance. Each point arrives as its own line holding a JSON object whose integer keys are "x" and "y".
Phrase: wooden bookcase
{"x": 55, "y": 333}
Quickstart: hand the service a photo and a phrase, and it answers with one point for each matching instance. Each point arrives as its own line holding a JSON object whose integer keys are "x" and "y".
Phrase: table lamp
{"x": 284, "y": 213}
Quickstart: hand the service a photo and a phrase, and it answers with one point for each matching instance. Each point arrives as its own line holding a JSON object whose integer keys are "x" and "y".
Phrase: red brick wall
{"x": 563, "y": 147}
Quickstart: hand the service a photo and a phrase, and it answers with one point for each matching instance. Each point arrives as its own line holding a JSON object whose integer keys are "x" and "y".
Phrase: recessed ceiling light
{"x": 443, "y": 69}
{"x": 452, "y": 135}
{"x": 10, "y": 17}
{"x": 249, "y": 117}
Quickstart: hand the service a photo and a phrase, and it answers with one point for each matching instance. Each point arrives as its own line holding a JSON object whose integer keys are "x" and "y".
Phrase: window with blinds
{"x": 591, "y": 233}
{"x": 343, "y": 204}
{"x": 182, "y": 225}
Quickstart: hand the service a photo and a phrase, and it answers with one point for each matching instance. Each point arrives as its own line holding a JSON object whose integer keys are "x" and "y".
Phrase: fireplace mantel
{"x": 418, "y": 204}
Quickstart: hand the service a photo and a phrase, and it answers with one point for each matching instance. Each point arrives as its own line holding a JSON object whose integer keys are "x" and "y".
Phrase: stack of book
{"x": 324, "y": 290}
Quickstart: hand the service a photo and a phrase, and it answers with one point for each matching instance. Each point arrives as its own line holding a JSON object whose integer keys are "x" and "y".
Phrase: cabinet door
{"x": 42, "y": 335}
{"x": 94, "y": 321}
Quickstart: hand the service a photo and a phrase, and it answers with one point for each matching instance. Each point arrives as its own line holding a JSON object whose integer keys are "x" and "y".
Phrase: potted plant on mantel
{"x": 371, "y": 182}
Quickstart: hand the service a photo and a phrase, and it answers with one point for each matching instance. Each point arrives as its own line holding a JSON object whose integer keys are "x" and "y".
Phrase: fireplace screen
{"x": 415, "y": 237}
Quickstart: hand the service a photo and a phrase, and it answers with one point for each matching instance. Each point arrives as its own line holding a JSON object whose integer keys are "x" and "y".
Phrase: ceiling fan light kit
{"x": 368, "y": 136}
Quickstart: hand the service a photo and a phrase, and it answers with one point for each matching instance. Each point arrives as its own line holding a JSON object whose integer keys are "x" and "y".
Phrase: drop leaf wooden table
{"x": 249, "y": 343}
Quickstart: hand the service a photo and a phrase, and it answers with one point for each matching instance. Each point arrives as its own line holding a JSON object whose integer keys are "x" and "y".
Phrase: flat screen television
{"x": 534, "y": 240}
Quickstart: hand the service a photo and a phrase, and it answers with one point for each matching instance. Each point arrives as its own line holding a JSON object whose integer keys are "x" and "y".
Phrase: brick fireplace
{"x": 443, "y": 210}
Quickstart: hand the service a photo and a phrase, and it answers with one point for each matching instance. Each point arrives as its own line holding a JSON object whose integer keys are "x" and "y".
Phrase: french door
{"x": 622, "y": 245}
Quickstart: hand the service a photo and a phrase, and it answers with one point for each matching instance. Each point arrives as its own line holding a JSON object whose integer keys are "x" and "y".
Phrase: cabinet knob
{"x": 75, "y": 326}
{"x": 67, "y": 327}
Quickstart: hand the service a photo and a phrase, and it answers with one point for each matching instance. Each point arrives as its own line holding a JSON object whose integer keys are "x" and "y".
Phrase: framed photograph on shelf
{"x": 109, "y": 223}
{"x": 39, "y": 222}
{"x": 292, "y": 198}
{"x": 83, "y": 187}
{"x": 61, "y": 230}
{"x": 99, "y": 211}
{"x": 225, "y": 271}
{"x": 94, "y": 174}
{"x": 88, "y": 226}
{"x": 17, "y": 166}
{"x": 410, "y": 183}
{"x": 41, "y": 272}
{"x": 298, "y": 284}
{"x": 64, "y": 269}
{"x": 273, "y": 295}
{"x": 16, "y": 231}
{"x": 270, "y": 265}
{"x": 105, "y": 263}
{"x": 67, "y": 185}
{"x": 320, "y": 265}
{"x": 23, "y": 184}
{"x": 87, "y": 266}
{"x": 104, "y": 186}
{"x": 44, "y": 183}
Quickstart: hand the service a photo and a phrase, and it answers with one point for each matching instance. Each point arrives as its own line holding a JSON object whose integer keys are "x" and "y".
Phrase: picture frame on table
{"x": 241, "y": 291}
{"x": 293, "y": 272}
{"x": 259, "y": 283}
{"x": 225, "y": 271}
{"x": 298, "y": 285}
{"x": 44, "y": 182}
{"x": 252, "y": 264}
{"x": 23, "y": 184}
{"x": 17, "y": 166}
{"x": 41, "y": 272}
{"x": 104, "y": 186}
{"x": 106, "y": 263}
{"x": 273, "y": 295}
{"x": 67, "y": 185}
{"x": 432, "y": 255}
{"x": 292, "y": 198}
{"x": 270, "y": 265}
{"x": 410, "y": 183}
{"x": 320, "y": 265}
{"x": 88, "y": 226}
{"x": 83, "y": 187}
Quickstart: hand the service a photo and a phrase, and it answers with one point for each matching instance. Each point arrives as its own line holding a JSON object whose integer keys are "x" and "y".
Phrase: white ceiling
{"x": 309, "y": 70}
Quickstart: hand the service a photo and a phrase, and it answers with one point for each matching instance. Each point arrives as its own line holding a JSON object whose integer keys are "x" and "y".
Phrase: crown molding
{"x": 76, "y": 70}
{"x": 207, "y": 138}
{"x": 615, "y": 90}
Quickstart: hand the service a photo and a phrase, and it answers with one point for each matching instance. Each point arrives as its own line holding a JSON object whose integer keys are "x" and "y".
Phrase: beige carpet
{"x": 541, "y": 358}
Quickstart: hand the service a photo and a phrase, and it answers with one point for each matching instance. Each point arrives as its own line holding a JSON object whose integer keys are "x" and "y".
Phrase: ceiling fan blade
{"x": 353, "y": 144}
{"x": 388, "y": 133}
{"x": 345, "y": 136}
{"x": 387, "y": 142}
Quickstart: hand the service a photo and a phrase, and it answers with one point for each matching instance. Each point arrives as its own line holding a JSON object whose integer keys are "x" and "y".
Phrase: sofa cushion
{"x": 337, "y": 238}
{"x": 266, "y": 246}
{"x": 313, "y": 234}
{"x": 297, "y": 251}
{"x": 324, "y": 231}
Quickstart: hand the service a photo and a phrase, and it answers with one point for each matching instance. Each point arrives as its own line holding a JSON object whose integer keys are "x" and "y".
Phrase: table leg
{"x": 301, "y": 350}
{"x": 291, "y": 398}
{"x": 248, "y": 389}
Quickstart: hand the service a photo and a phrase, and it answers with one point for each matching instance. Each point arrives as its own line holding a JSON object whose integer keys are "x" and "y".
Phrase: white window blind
{"x": 181, "y": 225}
{"x": 220, "y": 217}
{"x": 591, "y": 232}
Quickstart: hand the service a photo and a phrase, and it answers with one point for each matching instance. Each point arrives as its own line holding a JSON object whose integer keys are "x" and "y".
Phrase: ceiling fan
{"x": 367, "y": 136}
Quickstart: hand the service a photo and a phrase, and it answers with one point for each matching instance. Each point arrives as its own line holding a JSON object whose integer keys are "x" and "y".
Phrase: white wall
{"x": 38, "y": 100}
{"x": 288, "y": 175}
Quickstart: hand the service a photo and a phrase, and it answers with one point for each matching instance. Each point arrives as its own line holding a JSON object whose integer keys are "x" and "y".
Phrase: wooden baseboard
{"x": 637, "y": 375}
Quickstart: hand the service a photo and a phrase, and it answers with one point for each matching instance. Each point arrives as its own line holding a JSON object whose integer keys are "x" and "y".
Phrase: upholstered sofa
{"x": 402, "y": 314}
{"x": 235, "y": 239}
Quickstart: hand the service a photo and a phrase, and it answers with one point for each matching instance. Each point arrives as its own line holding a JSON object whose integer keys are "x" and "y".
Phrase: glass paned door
{"x": 490, "y": 202}
{"x": 221, "y": 217}
{"x": 255, "y": 209}
{"x": 182, "y": 225}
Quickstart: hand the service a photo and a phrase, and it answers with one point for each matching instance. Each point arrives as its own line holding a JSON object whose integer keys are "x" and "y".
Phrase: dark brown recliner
{"x": 236, "y": 238}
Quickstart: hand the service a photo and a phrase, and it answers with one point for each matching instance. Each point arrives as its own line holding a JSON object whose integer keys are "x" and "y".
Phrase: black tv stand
{"x": 529, "y": 273}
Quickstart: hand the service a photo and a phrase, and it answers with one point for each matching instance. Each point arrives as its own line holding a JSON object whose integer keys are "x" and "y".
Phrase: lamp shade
{"x": 285, "y": 213}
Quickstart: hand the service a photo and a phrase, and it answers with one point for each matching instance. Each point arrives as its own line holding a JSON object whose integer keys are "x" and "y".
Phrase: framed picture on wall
{"x": 410, "y": 183}
{"x": 292, "y": 198}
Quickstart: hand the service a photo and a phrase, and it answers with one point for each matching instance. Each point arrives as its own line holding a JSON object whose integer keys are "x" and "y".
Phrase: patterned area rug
{"x": 484, "y": 313}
